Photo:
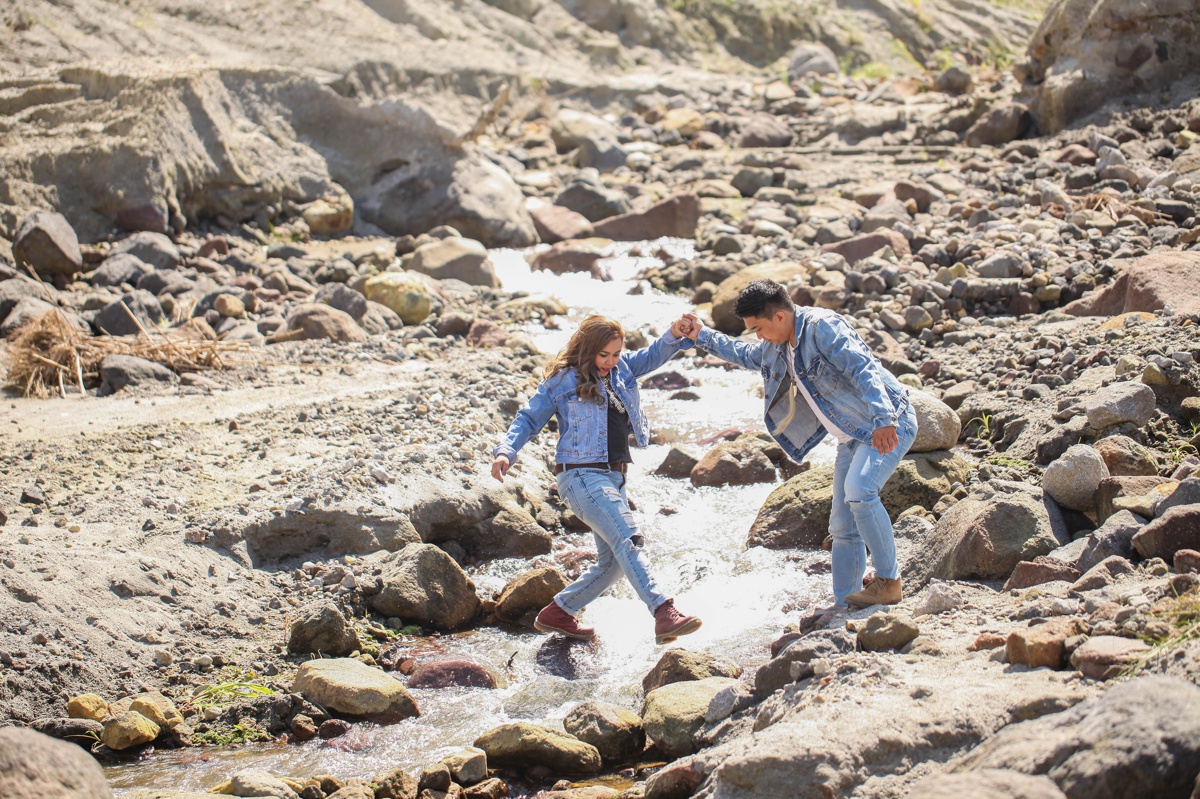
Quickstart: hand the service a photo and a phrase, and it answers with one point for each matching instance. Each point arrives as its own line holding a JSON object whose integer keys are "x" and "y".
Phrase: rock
{"x": 1186, "y": 560}
{"x": 28, "y": 309}
{"x": 158, "y": 708}
{"x": 513, "y": 533}
{"x": 1178, "y": 528}
{"x": 78, "y": 731}
{"x": 985, "y": 535}
{"x": 739, "y": 462}
{"x": 688, "y": 121}
{"x": 999, "y": 126}
{"x": 528, "y": 593}
{"x": 1125, "y": 457}
{"x": 454, "y": 259}
{"x": 118, "y": 269}
{"x": 1104, "y": 657}
{"x": 569, "y": 257}
{"x": 1072, "y": 480}
{"x": 46, "y": 242}
{"x": 311, "y": 321}
{"x": 616, "y": 732}
{"x": 811, "y": 58}
{"x": 1151, "y": 721}
{"x": 230, "y": 307}
{"x": 938, "y": 426}
{"x": 493, "y": 788}
{"x": 953, "y": 80}
{"x": 765, "y": 130}
{"x": 128, "y": 729}
{"x": 1155, "y": 281}
{"x": 592, "y": 200}
{"x": 1186, "y": 493}
{"x": 857, "y": 248}
{"x": 395, "y": 783}
{"x": 121, "y": 371}
{"x": 449, "y": 672}
{"x": 355, "y": 690}
{"x": 1113, "y": 489}
{"x": 467, "y": 766}
{"x": 335, "y": 295}
{"x": 524, "y": 745}
{"x": 1043, "y": 645}
{"x": 115, "y": 320}
{"x": 938, "y": 597}
{"x": 485, "y": 333}
{"x": 258, "y": 783}
{"x": 154, "y": 249}
{"x": 677, "y": 780}
{"x": 35, "y": 766}
{"x": 555, "y": 223}
{"x": 570, "y": 129}
{"x": 322, "y": 629}
{"x": 87, "y": 706}
{"x": 13, "y": 290}
{"x": 1000, "y": 265}
{"x": 1042, "y": 569}
{"x": 680, "y": 461}
{"x": 794, "y": 661}
{"x": 1114, "y": 537}
{"x": 330, "y": 215}
{"x": 724, "y": 319}
{"x": 1120, "y": 402}
{"x": 673, "y": 713}
{"x": 988, "y": 783}
{"x": 883, "y": 632}
{"x": 680, "y": 665}
{"x": 423, "y": 585}
{"x": 796, "y": 514}
{"x": 1103, "y": 573}
{"x": 676, "y": 216}
{"x": 406, "y": 295}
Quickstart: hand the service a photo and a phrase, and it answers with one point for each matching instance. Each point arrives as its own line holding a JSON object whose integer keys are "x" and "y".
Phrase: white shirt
{"x": 831, "y": 428}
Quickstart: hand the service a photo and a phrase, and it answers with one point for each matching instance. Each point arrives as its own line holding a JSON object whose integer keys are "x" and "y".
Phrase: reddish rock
{"x": 667, "y": 381}
{"x": 1043, "y": 645}
{"x": 569, "y": 257}
{"x": 554, "y": 223}
{"x": 987, "y": 641}
{"x": 1042, "y": 569}
{"x": 860, "y": 247}
{"x": 1075, "y": 154}
{"x": 734, "y": 463}
{"x": 920, "y": 193}
{"x": 491, "y": 788}
{"x": 677, "y": 780}
{"x": 447, "y": 673}
{"x": 999, "y": 126}
{"x": 1177, "y": 529}
{"x": 484, "y": 333}
{"x": 1124, "y": 457}
{"x": 333, "y": 728}
{"x": 529, "y": 593}
{"x": 1166, "y": 277}
{"x": 1111, "y": 488}
{"x": 303, "y": 727}
{"x": 1023, "y": 303}
{"x": 675, "y": 216}
{"x": 1186, "y": 560}
{"x": 1105, "y": 656}
{"x": 1103, "y": 573}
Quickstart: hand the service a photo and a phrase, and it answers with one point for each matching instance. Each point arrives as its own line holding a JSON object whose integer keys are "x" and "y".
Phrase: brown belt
{"x": 559, "y": 468}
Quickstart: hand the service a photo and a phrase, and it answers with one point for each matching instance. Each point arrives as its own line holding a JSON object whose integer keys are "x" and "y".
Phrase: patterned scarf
{"x": 613, "y": 399}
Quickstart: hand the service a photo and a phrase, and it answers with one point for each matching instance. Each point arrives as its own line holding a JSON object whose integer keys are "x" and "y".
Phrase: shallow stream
{"x": 695, "y": 538}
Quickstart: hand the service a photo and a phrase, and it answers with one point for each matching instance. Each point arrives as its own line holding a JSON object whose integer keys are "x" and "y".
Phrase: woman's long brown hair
{"x": 580, "y": 354}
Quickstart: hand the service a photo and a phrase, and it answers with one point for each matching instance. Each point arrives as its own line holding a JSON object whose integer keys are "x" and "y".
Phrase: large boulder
{"x": 724, "y": 319}
{"x": 128, "y": 729}
{"x": 796, "y": 515}
{"x": 423, "y": 585}
{"x": 988, "y": 783}
{"x": 1139, "y": 738}
{"x": 322, "y": 629}
{"x": 46, "y": 242}
{"x": 1121, "y": 402}
{"x": 1113, "y": 537}
{"x": 15, "y": 289}
{"x": 591, "y": 200}
{"x": 35, "y": 766}
{"x": 985, "y": 535}
{"x": 938, "y": 426}
{"x": 150, "y": 248}
{"x": 1072, "y": 480}
{"x": 117, "y": 318}
{"x": 765, "y": 130}
{"x": 680, "y": 665}
{"x": 676, "y": 216}
{"x": 311, "y": 320}
{"x": 447, "y": 672}
{"x": 406, "y": 295}
{"x": 455, "y": 259}
{"x": 524, "y": 745}
{"x": 739, "y": 462}
{"x": 344, "y": 298}
{"x": 615, "y": 731}
{"x": 859, "y": 247}
{"x": 1178, "y": 528}
{"x": 121, "y": 371}
{"x": 1162, "y": 278}
{"x": 351, "y": 688}
{"x": 672, "y": 714}
{"x": 528, "y": 593}
{"x": 1087, "y": 52}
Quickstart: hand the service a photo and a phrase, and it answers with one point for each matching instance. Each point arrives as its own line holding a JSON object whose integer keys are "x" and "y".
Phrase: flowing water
{"x": 695, "y": 539}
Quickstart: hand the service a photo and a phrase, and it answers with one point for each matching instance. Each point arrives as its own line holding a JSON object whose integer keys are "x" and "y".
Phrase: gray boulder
{"x": 165, "y": 281}
{"x": 345, "y": 299}
{"x": 455, "y": 258}
{"x": 592, "y": 200}
{"x": 118, "y": 269}
{"x": 322, "y": 629}
{"x": 46, "y": 242}
{"x": 154, "y": 249}
{"x": 674, "y": 713}
{"x": 1073, "y": 478}
{"x": 15, "y": 289}
{"x": 938, "y": 426}
{"x": 1114, "y": 537}
{"x": 811, "y": 58}
{"x": 1121, "y": 402}
{"x": 24, "y": 312}
{"x": 616, "y": 732}
{"x": 122, "y": 371}
{"x": 114, "y": 319}
{"x": 36, "y": 766}
{"x": 423, "y": 585}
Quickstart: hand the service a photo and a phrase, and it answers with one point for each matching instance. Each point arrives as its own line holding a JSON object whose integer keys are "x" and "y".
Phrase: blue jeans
{"x": 598, "y": 498}
{"x": 858, "y": 519}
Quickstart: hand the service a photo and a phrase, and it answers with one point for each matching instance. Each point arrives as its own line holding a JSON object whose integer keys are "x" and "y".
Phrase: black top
{"x": 618, "y": 436}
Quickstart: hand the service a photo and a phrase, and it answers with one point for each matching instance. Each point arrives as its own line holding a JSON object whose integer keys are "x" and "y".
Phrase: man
{"x": 821, "y": 379}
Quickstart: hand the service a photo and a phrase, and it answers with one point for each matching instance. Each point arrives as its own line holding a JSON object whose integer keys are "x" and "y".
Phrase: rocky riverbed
{"x": 255, "y": 372}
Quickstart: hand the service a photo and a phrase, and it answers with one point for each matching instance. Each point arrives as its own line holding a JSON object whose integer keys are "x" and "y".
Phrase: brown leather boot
{"x": 669, "y": 623}
{"x": 881, "y": 591}
{"x": 553, "y": 619}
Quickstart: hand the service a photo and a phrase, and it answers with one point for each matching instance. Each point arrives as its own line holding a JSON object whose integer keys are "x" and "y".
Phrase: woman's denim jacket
{"x": 583, "y": 426}
{"x": 845, "y": 380}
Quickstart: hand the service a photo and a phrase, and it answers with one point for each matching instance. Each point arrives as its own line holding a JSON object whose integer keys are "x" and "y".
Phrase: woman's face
{"x": 610, "y": 353}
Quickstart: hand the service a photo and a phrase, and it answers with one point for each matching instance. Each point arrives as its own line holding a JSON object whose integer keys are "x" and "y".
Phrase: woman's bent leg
{"x": 592, "y": 583}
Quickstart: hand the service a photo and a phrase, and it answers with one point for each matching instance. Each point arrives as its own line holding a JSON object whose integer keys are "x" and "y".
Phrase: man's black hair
{"x": 762, "y": 298}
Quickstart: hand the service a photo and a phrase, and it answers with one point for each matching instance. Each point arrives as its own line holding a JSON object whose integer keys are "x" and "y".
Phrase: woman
{"x": 591, "y": 386}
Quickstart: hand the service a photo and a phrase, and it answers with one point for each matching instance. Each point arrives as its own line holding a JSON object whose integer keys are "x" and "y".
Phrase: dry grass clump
{"x": 47, "y": 355}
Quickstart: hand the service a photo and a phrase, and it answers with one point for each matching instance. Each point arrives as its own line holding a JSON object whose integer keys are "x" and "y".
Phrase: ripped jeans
{"x": 858, "y": 519}
{"x": 597, "y": 496}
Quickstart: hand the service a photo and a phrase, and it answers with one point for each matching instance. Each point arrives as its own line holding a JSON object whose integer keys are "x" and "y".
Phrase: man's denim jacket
{"x": 845, "y": 380}
{"x": 583, "y": 426}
